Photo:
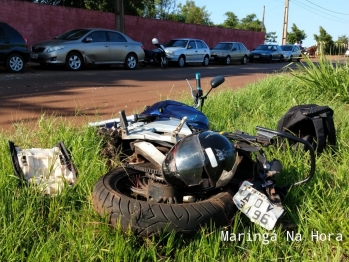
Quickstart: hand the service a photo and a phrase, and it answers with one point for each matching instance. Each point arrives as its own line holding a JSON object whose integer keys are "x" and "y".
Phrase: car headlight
{"x": 170, "y": 53}
{"x": 54, "y": 48}
{"x": 263, "y": 53}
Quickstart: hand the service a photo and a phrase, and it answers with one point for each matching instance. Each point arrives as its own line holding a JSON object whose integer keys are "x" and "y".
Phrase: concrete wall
{"x": 37, "y": 22}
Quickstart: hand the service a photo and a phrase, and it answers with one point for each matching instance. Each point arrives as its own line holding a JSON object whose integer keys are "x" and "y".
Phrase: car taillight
{"x": 26, "y": 41}
{"x": 142, "y": 47}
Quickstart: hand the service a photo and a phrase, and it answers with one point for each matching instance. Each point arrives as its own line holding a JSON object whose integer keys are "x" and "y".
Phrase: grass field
{"x": 65, "y": 228}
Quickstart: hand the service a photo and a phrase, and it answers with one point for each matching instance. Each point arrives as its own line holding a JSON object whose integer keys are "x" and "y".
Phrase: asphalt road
{"x": 99, "y": 93}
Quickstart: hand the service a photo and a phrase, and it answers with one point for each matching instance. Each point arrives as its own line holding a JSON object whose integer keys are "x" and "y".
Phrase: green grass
{"x": 65, "y": 228}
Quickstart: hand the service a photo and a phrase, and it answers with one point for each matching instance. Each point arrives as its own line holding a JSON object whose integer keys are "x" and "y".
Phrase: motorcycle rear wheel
{"x": 112, "y": 198}
{"x": 164, "y": 63}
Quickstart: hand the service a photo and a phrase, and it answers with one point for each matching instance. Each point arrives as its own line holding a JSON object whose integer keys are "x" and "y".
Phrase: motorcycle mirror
{"x": 218, "y": 80}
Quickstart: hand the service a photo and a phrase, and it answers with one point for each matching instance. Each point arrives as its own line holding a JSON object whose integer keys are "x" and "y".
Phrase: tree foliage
{"x": 270, "y": 37}
{"x": 324, "y": 41}
{"x": 296, "y": 35}
{"x": 251, "y": 22}
{"x": 343, "y": 39}
{"x": 192, "y": 14}
{"x": 231, "y": 21}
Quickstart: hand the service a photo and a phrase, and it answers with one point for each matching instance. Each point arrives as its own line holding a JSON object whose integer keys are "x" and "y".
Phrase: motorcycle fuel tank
{"x": 174, "y": 109}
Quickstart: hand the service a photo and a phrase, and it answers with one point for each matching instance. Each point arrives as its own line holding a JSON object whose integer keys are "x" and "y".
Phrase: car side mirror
{"x": 88, "y": 39}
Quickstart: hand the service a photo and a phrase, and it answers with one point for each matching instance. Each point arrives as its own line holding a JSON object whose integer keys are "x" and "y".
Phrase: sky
{"x": 308, "y": 15}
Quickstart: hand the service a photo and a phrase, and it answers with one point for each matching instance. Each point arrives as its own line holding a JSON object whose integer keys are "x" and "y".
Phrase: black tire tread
{"x": 146, "y": 219}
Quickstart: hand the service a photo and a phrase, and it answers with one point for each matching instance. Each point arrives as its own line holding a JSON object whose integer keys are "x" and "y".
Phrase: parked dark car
{"x": 267, "y": 53}
{"x": 96, "y": 46}
{"x": 14, "y": 53}
{"x": 226, "y": 52}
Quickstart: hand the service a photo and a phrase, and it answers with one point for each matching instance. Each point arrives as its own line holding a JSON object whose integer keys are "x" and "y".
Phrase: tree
{"x": 193, "y": 14}
{"x": 270, "y": 37}
{"x": 324, "y": 41}
{"x": 250, "y": 22}
{"x": 343, "y": 39}
{"x": 296, "y": 35}
{"x": 232, "y": 20}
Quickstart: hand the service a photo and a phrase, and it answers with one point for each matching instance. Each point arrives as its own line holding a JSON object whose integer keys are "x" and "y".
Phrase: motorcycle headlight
{"x": 54, "y": 48}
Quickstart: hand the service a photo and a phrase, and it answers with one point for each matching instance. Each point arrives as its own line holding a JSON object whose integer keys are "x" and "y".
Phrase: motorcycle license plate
{"x": 256, "y": 206}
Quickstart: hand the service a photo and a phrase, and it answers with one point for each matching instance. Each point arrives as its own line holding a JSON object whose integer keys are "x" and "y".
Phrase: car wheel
{"x": 73, "y": 61}
{"x": 181, "y": 61}
{"x": 131, "y": 61}
{"x": 15, "y": 63}
{"x": 227, "y": 60}
{"x": 298, "y": 60}
{"x": 206, "y": 61}
{"x": 244, "y": 60}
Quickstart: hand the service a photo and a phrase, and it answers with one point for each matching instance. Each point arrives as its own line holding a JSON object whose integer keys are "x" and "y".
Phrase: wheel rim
{"x": 74, "y": 62}
{"x": 244, "y": 60}
{"x": 181, "y": 62}
{"x": 206, "y": 61}
{"x": 16, "y": 63}
{"x": 131, "y": 62}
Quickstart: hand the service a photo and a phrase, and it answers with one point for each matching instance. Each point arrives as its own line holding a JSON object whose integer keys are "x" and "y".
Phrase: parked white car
{"x": 291, "y": 52}
{"x": 346, "y": 53}
{"x": 187, "y": 50}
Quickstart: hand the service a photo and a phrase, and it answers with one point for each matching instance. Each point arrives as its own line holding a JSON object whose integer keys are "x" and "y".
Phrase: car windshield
{"x": 223, "y": 46}
{"x": 73, "y": 34}
{"x": 264, "y": 47}
{"x": 177, "y": 43}
{"x": 286, "y": 48}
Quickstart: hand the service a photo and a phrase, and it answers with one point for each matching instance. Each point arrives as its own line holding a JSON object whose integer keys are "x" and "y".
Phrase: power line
{"x": 310, "y": 10}
{"x": 327, "y": 9}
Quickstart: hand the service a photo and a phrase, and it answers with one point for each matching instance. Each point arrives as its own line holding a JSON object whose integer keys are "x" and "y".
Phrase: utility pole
{"x": 119, "y": 15}
{"x": 284, "y": 31}
{"x": 263, "y": 28}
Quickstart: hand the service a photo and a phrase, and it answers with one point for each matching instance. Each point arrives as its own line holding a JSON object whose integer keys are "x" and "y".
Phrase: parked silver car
{"x": 88, "y": 46}
{"x": 187, "y": 50}
{"x": 291, "y": 52}
{"x": 226, "y": 52}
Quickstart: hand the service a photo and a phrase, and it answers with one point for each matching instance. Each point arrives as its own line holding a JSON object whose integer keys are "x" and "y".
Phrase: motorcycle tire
{"x": 112, "y": 199}
{"x": 164, "y": 63}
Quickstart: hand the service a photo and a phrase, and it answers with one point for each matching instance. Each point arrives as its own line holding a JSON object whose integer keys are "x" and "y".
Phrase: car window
{"x": 264, "y": 47}
{"x": 242, "y": 47}
{"x": 177, "y": 43}
{"x": 191, "y": 45}
{"x": 286, "y": 48}
{"x": 236, "y": 46}
{"x": 2, "y": 33}
{"x": 200, "y": 45}
{"x": 116, "y": 37}
{"x": 98, "y": 36}
{"x": 73, "y": 34}
{"x": 223, "y": 46}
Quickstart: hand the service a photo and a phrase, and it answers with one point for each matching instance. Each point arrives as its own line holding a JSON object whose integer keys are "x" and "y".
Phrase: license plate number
{"x": 34, "y": 56}
{"x": 256, "y": 56}
{"x": 256, "y": 206}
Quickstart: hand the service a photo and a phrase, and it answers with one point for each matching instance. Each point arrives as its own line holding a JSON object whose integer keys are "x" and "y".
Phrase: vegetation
{"x": 296, "y": 35}
{"x": 65, "y": 228}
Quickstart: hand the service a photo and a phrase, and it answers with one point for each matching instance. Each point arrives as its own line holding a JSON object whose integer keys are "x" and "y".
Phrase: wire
{"x": 326, "y": 9}
{"x": 341, "y": 21}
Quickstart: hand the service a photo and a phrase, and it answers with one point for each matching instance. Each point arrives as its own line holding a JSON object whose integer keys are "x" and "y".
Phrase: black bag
{"x": 312, "y": 123}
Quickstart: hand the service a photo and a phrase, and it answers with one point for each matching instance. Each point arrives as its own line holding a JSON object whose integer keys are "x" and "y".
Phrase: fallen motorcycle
{"x": 177, "y": 175}
{"x": 155, "y": 57}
